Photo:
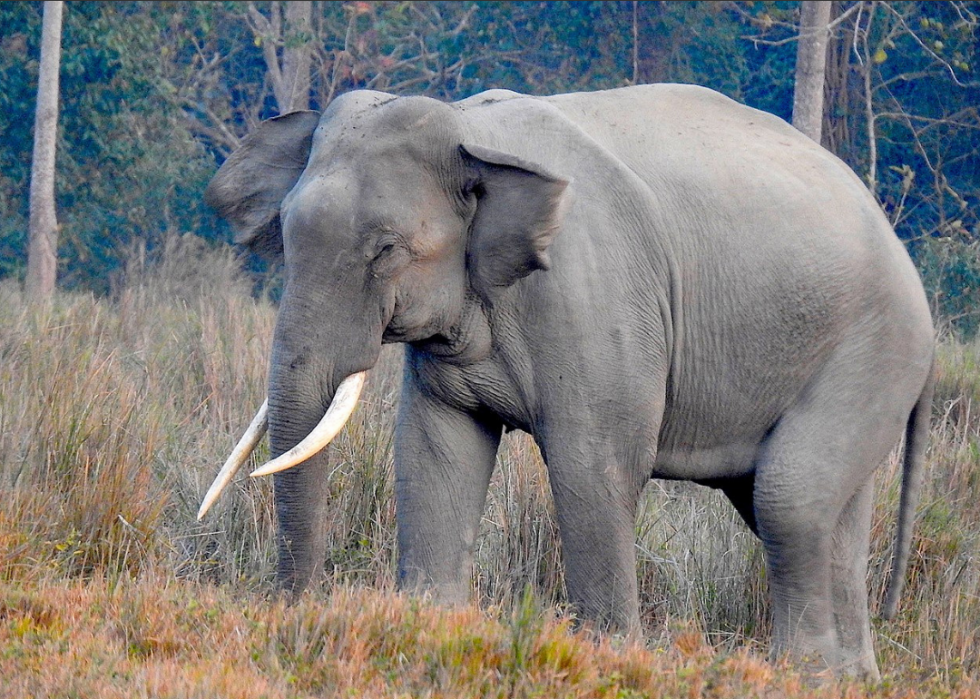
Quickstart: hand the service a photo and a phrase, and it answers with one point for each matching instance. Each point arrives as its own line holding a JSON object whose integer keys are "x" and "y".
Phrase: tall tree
{"x": 288, "y": 71}
{"x": 42, "y": 255}
{"x": 811, "y": 67}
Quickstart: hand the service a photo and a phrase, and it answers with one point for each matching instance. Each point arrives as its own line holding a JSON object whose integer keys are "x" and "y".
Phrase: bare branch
{"x": 759, "y": 41}
{"x": 930, "y": 122}
{"x": 869, "y": 114}
{"x": 464, "y": 21}
{"x": 225, "y": 141}
{"x": 218, "y": 132}
{"x": 269, "y": 34}
{"x": 935, "y": 56}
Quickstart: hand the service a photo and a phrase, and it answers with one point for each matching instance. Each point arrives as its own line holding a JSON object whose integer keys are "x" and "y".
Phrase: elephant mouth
{"x": 333, "y": 420}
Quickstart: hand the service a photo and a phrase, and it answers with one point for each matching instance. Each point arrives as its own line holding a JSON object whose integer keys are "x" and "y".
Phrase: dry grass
{"x": 157, "y": 637}
{"x": 115, "y": 414}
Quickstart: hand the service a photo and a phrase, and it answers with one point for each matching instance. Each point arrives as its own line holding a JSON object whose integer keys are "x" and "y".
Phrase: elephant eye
{"x": 390, "y": 255}
{"x": 384, "y": 249}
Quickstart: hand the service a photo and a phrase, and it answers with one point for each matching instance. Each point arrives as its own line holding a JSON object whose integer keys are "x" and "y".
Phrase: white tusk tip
{"x": 343, "y": 404}
{"x": 264, "y": 471}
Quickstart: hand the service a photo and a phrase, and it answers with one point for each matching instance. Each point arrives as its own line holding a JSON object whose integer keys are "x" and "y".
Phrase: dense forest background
{"x": 154, "y": 95}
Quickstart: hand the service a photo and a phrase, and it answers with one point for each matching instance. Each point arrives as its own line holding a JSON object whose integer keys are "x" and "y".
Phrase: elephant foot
{"x": 863, "y": 668}
{"x": 821, "y": 668}
{"x": 415, "y": 581}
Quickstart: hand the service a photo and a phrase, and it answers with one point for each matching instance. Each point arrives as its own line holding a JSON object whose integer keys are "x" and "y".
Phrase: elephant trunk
{"x": 312, "y": 393}
{"x": 301, "y": 491}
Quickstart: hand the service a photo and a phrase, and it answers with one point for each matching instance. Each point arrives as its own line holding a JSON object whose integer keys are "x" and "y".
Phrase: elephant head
{"x": 394, "y": 227}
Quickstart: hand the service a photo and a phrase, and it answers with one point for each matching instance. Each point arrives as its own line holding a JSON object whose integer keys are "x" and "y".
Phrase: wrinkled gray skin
{"x": 652, "y": 281}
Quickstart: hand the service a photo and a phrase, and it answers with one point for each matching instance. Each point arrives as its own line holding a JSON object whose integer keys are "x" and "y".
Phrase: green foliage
{"x": 705, "y": 44}
{"x": 20, "y": 33}
{"x": 950, "y": 270}
{"x": 127, "y": 168}
{"x": 154, "y": 95}
{"x": 926, "y": 104}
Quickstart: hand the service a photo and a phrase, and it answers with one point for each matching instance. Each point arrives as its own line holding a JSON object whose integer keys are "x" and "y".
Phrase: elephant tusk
{"x": 260, "y": 423}
{"x": 344, "y": 401}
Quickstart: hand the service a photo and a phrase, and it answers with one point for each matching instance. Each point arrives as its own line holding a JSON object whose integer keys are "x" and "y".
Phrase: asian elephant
{"x": 653, "y": 281}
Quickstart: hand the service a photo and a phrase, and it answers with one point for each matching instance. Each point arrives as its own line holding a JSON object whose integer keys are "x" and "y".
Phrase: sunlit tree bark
{"x": 42, "y": 253}
{"x": 811, "y": 65}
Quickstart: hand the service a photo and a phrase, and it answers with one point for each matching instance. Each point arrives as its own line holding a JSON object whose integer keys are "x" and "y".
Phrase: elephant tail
{"x": 916, "y": 437}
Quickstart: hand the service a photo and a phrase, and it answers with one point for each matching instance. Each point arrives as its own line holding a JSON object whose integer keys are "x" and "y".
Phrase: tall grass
{"x": 115, "y": 414}
{"x": 114, "y": 411}
{"x": 939, "y": 624}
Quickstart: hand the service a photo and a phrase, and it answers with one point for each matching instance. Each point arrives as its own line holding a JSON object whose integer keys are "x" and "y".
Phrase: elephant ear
{"x": 249, "y": 187}
{"x": 516, "y": 219}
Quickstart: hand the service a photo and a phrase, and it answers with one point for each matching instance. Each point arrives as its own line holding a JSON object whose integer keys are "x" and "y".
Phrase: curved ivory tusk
{"x": 344, "y": 401}
{"x": 241, "y": 452}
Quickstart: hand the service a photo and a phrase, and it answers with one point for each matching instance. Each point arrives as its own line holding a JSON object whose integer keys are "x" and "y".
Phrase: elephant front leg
{"x": 443, "y": 462}
{"x": 596, "y": 508}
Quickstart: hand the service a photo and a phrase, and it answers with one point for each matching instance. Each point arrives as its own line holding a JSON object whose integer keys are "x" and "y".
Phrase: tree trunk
{"x": 42, "y": 253}
{"x": 296, "y": 56}
{"x": 811, "y": 65}
{"x": 838, "y": 131}
{"x": 290, "y": 74}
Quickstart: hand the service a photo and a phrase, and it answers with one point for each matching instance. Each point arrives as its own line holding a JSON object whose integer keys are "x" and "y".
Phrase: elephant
{"x": 653, "y": 281}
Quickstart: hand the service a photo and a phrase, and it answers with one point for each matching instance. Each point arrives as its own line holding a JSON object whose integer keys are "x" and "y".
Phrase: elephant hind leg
{"x": 798, "y": 542}
{"x": 812, "y": 502}
{"x": 851, "y": 546}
